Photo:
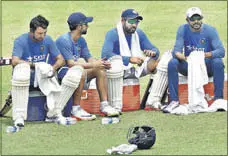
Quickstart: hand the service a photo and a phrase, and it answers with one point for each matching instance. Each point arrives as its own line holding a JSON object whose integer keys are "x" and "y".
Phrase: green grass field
{"x": 198, "y": 134}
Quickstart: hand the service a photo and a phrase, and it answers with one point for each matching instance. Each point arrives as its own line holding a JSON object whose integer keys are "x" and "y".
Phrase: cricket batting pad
{"x": 20, "y": 90}
{"x": 160, "y": 81}
{"x": 69, "y": 84}
{"x": 115, "y": 82}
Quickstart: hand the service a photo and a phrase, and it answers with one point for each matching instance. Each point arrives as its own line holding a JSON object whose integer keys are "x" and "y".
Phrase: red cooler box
{"x": 90, "y": 100}
{"x": 131, "y": 95}
{"x": 208, "y": 88}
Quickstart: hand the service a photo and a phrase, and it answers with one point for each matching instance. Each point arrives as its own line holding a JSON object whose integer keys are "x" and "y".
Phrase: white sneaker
{"x": 19, "y": 122}
{"x": 154, "y": 106}
{"x": 172, "y": 105}
{"x": 119, "y": 111}
{"x": 51, "y": 119}
{"x": 157, "y": 105}
{"x": 109, "y": 111}
{"x": 81, "y": 114}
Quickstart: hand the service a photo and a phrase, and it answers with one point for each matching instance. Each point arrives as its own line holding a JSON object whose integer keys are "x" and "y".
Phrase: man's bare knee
{"x": 152, "y": 64}
{"x": 100, "y": 72}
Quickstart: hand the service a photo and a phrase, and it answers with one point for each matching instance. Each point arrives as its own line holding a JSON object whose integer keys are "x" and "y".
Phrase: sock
{"x": 75, "y": 107}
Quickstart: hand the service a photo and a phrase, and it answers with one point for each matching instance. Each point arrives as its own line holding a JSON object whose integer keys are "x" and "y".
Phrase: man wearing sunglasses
{"x": 75, "y": 51}
{"x": 132, "y": 44}
{"x": 196, "y": 36}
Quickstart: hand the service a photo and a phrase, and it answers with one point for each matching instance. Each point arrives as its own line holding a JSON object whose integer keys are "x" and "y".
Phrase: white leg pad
{"x": 115, "y": 82}
{"x": 115, "y": 92}
{"x": 73, "y": 76}
{"x": 159, "y": 85}
{"x": 63, "y": 97}
{"x": 70, "y": 83}
{"x": 160, "y": 81}
{"x": 20, "y": 90}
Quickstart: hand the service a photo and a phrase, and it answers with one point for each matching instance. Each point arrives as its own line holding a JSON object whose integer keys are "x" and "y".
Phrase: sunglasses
{"x": 84, "y": 23}
{"x": 193, "y": 18}
{"x": 133, "y": 21}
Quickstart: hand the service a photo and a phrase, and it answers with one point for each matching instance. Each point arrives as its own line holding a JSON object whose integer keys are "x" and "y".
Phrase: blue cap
{"x": 132, "y": 14}
{"x": 78, "y": 18}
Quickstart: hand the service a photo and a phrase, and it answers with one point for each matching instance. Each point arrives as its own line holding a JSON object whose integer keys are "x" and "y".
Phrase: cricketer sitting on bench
{"x": 134, "y": 48}
{"x": 29, "y": 51}
{"x": 73, "y": 47}
{"x": 195, "y": 36}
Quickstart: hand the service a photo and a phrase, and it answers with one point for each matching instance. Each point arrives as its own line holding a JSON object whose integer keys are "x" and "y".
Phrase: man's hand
{"x": 107, "y": 64}
{"x": 136, "y": 60}
{"x": 149, "y": 52}
{"x": 208, "y": 54}
{"x": 98, "y": 64}
{"x": 181, "y": 56}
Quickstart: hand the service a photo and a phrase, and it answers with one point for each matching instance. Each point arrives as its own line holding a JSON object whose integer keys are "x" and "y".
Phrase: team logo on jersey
{"x": 42, "y": 48}
{"x": 202, "y": 41}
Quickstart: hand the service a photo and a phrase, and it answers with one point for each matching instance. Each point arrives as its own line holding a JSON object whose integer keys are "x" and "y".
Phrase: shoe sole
{"x": 83, "y": 119}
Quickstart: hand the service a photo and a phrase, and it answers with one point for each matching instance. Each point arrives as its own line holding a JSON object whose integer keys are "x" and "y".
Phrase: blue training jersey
{"x": 206, "y": 40}
{"x": 26, "y": 49}
{"x": 111, "y": 45}
{"x": 73, "y": 50}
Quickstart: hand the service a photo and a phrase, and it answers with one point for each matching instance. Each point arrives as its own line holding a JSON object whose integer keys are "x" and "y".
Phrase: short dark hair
{"x": 38, "y": 21}
{"x": 73, "y": 26}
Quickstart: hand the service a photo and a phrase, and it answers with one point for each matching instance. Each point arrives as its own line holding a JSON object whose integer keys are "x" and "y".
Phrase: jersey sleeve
{"x": 17, "y": 48}
{"x": 54, "y": 51}
{"x": 85, "y": 50}
{"x": 108, "y": 47}
{"x": 217, "y": 46}
{"x": 179, "y": 44}
{"x": 145, "y": 44}
{"x": 64, "y": 48}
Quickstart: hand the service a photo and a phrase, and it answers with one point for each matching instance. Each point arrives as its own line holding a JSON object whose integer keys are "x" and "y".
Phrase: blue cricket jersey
{"x": 73, "y": 50}
{"x": 26, "y": 49}
{"x": 206, "y": 40}
{"x": 111, "y": 45}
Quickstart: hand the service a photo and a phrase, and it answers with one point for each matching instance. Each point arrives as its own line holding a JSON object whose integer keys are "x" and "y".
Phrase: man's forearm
{"x": 16, "y": 60}
{"x": 208, "y": 54}
{"x": 59, "y": 63}
{"x": 180, "y": 56}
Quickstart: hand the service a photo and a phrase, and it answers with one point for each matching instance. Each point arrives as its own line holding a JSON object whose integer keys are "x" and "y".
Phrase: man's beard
{"x": 129, "y": 30}
{"x": 83, "y": 32}
{"x": 196, "y": 26}
{"x": 37, "y": 39}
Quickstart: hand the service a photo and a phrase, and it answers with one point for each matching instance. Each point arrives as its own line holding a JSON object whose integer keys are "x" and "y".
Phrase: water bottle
{"x": 110, "y": 120}
{"x": 12, "y": 129}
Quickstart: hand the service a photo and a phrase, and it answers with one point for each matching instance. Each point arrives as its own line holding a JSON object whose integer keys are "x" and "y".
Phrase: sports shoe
{"x": 172, "y": 105}
{"x": 109, "y": 111}
{"x": 156, "y": 106}
{"x": 51, "y": 119}
{"x": 119, "y": 111}
{"x": 19, "y": 122}
{"x": 81, "y": 114}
